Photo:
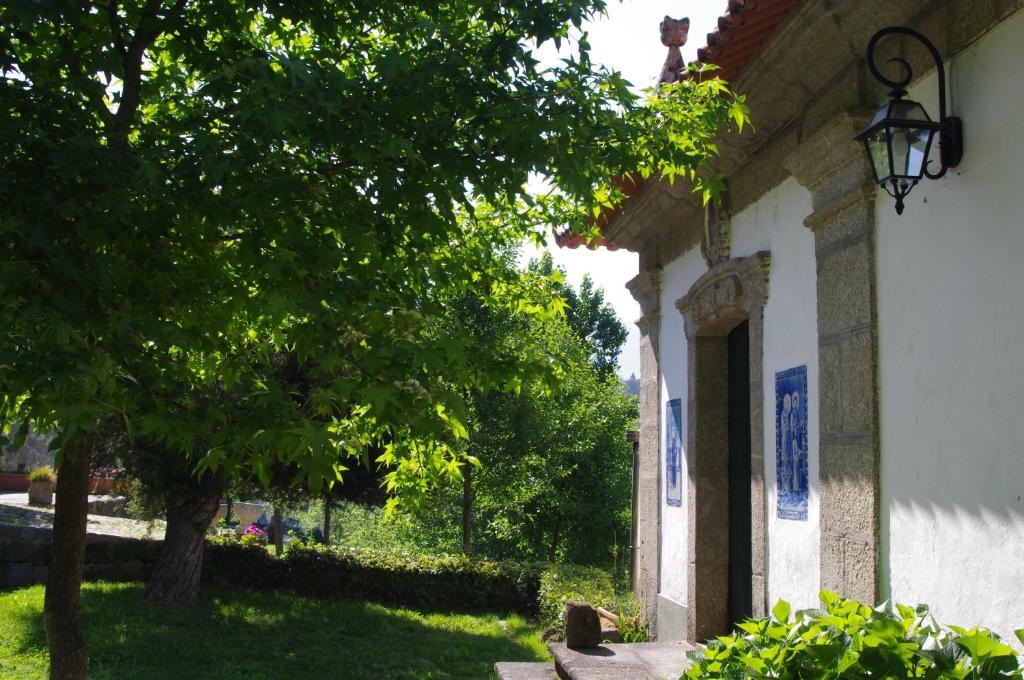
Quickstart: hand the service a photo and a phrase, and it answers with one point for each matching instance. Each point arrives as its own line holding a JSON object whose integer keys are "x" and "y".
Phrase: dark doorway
{"x": 741, "y": 603}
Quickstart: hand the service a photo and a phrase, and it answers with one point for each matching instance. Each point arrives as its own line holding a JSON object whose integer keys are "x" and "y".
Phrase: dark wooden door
{"x": 740, "y": 567}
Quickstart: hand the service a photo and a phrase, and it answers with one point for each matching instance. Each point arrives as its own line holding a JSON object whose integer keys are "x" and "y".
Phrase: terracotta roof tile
{"x": 567, "y": 239}
{"x": 741, "y": 32}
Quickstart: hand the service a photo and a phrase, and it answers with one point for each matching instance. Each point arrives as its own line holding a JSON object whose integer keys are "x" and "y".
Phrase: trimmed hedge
{"x": 421, "y": 581}
{"x": 450, "y": 583}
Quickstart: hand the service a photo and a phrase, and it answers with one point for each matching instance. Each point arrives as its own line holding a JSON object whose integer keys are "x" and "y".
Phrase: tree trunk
{"x": 277, "y": 523}
{"x": 176, "y": 575}
{"x": 467, "y": 509}
{"x": 69, "y": 655}
{"x": 327, "y": 520}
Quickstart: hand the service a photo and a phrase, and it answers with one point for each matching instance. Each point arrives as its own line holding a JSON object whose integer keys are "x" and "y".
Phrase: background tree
{"x": 589, "y": 316}
{"x": 551, "y": 468}
{"x": 189, "y": 187}
{"x": 555, "y": 468}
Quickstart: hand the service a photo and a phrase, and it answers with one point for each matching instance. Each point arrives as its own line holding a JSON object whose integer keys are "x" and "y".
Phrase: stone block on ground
{"x": 609, "y": 626}
{"x": 610, "y": 632}
{"x": 24, "y": 544}
{"x": 582, "y": 626}
{"x": 525, "y": 671}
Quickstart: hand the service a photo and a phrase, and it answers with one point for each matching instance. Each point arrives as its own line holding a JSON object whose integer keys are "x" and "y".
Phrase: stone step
{"x": 637, "y": 661}
{"x": 525, "y": 671}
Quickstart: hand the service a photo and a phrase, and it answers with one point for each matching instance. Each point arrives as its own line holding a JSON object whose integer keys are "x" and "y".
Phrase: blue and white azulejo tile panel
{"x": 791, "y": 443}
{"x": 674, "y": 453}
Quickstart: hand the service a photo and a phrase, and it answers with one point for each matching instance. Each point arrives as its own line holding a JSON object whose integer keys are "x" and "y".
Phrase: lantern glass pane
{"x": 906, "y": 109}
{"x": 878, "y": 150}
{"x": 909, "y": 149}
{"x": 899, "y": 144}
{"x": 880, "y": 115}
{"x": 918, "y": 142}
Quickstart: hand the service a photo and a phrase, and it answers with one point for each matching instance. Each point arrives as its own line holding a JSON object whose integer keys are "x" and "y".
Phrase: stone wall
{"x": 25, "y": 556}
{"x": 35, "y": 452}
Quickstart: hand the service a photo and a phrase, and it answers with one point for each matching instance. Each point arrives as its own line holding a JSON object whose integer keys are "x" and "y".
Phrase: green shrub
{"x": 563, "y": 583}
{"x": 851, "y": 640}
{"x": 42, "y": 474}
{"x": 258, "y": 540}
{"x": 424, "y": 581}
{"x": 631, "y": 627}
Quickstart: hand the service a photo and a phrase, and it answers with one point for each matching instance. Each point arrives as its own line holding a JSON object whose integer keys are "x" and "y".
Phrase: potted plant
{"x": 40, "y": 489}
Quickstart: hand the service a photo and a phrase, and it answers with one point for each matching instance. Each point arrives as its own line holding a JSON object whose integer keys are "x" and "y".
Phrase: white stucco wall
{"x": 775, "y": 223}
{"x": 677, "y": 278}
{"x": 950, "y": 276}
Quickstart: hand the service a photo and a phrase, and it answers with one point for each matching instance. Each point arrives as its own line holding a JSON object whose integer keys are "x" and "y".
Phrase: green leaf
{"x": 981, "y": 645}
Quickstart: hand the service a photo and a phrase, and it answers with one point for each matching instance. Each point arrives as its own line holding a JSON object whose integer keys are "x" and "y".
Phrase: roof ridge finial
{"x": 674, "y": 33}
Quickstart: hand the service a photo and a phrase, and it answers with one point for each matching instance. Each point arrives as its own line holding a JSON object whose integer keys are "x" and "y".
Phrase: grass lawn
{"x": 243, "y": 634}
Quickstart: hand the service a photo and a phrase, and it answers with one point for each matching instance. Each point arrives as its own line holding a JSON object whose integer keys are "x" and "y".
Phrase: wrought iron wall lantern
{"x": 899, "y": 137}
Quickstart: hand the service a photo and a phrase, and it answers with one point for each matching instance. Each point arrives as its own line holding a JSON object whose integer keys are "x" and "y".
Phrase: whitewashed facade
{"x": 909, "y": 331}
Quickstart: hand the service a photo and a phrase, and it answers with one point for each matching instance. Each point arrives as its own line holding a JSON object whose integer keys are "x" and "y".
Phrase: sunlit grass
{"x": 243, "y": 634}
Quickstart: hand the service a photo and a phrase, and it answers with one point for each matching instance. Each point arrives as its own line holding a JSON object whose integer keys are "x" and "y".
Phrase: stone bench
{"x": 637, "y": 661}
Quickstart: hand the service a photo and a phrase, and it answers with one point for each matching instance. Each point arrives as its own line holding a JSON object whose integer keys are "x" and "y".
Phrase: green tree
{"x": 190, "y": 186}
{"x": 553, "y": 474}
{"x": 589, "y": 315}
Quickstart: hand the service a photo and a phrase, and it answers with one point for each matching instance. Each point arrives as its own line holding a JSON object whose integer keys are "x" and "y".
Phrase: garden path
{"x": 15, "y": 511}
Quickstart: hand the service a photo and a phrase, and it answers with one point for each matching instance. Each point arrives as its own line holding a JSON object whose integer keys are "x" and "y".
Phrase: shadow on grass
{"x": 241, "y": 634}
{"x": 24, "y": 516}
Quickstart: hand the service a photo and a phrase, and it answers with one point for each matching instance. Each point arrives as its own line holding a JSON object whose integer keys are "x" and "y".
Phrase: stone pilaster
{"x": 834, "y": 168}
{"x": 646, "y": 289}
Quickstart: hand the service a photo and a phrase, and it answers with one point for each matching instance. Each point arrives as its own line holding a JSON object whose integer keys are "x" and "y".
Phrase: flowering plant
{"x": 253, "y": 535}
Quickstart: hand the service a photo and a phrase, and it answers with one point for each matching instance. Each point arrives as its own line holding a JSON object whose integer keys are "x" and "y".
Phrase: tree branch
{"x": 150, "y": 27}
{"x": 115, "y": 29}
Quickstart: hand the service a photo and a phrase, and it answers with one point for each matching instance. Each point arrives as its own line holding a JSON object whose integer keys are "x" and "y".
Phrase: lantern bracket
{"x": 951, "y": 149}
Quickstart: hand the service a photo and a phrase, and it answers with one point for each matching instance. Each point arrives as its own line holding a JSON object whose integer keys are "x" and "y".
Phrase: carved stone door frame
{"x": 730, "y": 293}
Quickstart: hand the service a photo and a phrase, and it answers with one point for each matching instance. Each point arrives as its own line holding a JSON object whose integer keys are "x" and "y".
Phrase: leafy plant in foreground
{"x": 848, "y": 639}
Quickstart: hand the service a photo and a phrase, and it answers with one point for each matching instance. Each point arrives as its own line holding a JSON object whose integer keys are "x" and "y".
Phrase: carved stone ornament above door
{"x": 730, "y": 292}
{"x": 717, "y": 240}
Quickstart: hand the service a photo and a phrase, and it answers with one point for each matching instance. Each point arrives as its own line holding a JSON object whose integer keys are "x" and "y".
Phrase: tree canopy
{"x": 189, "y": 187}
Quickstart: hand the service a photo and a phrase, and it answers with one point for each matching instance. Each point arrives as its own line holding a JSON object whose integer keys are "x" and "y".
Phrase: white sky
{"x": 628, "y": 40}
